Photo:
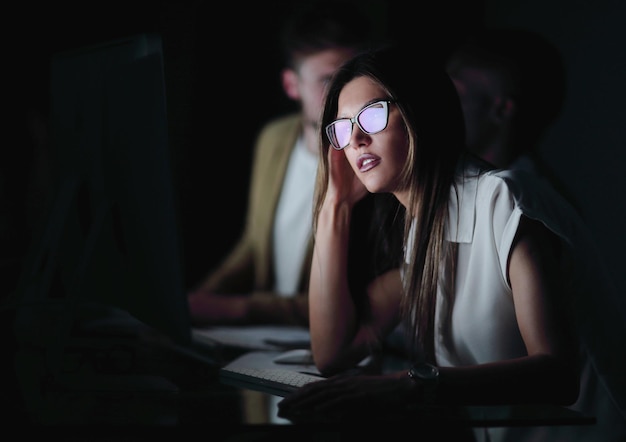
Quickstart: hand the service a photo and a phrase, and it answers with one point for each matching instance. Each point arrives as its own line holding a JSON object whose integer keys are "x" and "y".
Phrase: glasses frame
{"x": 354, "y": 120}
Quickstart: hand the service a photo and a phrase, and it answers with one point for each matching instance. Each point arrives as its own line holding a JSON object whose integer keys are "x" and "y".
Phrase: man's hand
{"x": 210, "y": 308}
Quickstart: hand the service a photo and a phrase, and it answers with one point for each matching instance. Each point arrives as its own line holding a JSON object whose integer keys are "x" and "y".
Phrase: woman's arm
{"x": 332, "y": 314}
{"x": 547, "y": 374}
{"x": 341, "y": 336}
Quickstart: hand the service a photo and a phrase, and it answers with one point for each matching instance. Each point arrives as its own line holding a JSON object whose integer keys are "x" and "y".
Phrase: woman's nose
{"x": 358, "y": 137}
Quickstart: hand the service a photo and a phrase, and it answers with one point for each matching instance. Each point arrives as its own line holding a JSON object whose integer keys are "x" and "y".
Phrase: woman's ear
{"x": 290, "y": 83}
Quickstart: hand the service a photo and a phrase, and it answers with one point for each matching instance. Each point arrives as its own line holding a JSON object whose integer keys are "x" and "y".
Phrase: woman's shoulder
{"x": 533, "y": 196}
{"x": 486, "y": 175}
{"x": 485, "y": 191}
{"x": 531, "y": 192}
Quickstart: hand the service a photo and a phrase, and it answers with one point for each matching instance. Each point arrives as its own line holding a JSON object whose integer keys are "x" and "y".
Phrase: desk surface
{"x": 473, "y": 416}
{"x": 161, "y": 391}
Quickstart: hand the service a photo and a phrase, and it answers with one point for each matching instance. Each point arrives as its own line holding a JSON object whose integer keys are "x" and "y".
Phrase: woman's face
{"x": 377, "y": 159}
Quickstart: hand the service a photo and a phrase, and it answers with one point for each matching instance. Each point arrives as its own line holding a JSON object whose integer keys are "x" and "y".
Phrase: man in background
{"x": 265, "y": 276}
{"x": 511, "y": 84}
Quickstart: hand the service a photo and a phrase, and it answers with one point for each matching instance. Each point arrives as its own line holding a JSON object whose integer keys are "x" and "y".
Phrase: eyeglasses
{"x": 371, "y": 119}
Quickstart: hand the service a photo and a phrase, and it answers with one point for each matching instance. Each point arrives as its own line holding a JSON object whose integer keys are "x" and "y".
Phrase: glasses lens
{"x": 339, "y": 133}
{"x": 373, "y": 119}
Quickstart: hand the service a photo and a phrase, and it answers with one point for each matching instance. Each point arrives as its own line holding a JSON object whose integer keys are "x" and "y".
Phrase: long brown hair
{"x": 430, "y": 109}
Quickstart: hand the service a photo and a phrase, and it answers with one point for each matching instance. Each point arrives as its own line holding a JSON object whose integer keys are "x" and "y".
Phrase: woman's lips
{"x": 367, "y": 161}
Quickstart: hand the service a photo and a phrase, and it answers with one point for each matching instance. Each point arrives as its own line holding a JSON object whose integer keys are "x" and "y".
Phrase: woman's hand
{"x": 343, "y": 183}
{"x": 351, "y": 397}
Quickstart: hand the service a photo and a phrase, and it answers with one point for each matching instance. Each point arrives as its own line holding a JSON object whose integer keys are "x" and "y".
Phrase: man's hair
{"x": 532, "y": 68}
{"x": 324, "y": 24}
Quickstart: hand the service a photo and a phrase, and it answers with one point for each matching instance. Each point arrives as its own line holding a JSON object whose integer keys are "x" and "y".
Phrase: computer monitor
{"x": 112, "y": 237}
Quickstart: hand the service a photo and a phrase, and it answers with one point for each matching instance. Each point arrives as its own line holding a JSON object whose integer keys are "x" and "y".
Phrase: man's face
{"x": 313, "y": 75}
{"x": 477, "y": 91}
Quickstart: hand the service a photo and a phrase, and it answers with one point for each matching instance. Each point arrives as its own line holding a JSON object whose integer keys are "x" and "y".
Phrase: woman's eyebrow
{"x": 372, "y": 101}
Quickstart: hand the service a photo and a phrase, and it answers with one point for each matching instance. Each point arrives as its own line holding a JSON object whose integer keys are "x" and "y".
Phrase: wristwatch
{"x": 428, "y": 375}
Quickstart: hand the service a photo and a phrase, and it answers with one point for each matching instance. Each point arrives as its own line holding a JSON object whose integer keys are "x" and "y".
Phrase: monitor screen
{"x": 112, "y": 238}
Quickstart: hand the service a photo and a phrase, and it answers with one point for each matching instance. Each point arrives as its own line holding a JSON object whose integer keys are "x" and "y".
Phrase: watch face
{"x": 428, "y": 376}
{"x": 424, "y": 371}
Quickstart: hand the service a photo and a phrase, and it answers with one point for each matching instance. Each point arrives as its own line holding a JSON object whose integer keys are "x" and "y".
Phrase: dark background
{"x": 222, "y": 74}
{"x": 222, "y": 70}
{"x": 222, "y": 78}
{"x": 586, "y": 146}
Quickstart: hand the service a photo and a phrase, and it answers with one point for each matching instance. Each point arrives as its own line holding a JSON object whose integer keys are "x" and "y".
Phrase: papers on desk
{"x": 261, "y": 337}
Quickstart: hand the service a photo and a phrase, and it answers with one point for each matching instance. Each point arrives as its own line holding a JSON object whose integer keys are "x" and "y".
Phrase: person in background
{"x": 264, "y": 277}
{"x": 512, "y": 86}
{"x": 501, "y": 295}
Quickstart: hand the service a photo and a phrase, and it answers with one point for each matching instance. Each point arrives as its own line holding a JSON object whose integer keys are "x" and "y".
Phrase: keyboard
{"x": 275, "y": 381}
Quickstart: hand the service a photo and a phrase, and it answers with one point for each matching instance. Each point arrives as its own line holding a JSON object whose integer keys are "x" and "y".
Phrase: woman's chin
{"x": 376, "y": 187}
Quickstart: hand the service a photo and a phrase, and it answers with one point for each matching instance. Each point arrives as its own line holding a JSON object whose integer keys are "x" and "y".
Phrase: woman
{"x": 487, "y": 294}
